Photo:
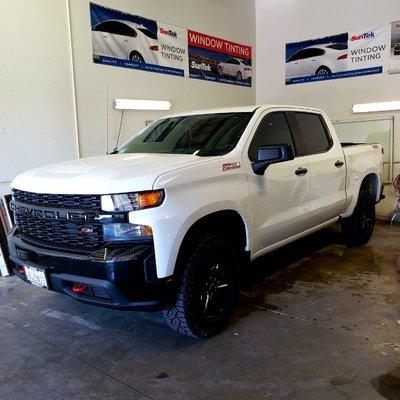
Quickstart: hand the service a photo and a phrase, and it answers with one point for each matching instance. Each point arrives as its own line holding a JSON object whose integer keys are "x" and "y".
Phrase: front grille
{"x": 83, "y": 234}
{"x": 83, "y": 202}
{"x": 61, "y": 233}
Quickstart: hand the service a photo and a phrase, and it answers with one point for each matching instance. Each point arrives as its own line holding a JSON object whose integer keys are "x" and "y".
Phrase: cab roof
{"x": 251, "y": 108}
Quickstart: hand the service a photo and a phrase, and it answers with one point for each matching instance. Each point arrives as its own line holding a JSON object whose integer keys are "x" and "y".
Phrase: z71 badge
{"x": 229, "y": 166}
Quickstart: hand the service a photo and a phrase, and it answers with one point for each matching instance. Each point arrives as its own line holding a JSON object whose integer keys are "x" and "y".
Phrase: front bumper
{"x": 122, "y": 277}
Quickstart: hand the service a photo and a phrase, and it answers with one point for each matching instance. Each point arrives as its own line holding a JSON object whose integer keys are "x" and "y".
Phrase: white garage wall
{"x": 37, "y": 114}
{"x": 98, "y": 85}
{"x": 36, "y": 108}
{"x": 296, "y": 20}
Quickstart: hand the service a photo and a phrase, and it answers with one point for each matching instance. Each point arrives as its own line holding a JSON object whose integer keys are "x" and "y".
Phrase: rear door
{"x": 327, "y": 169}
{"x": 280, "y": 199}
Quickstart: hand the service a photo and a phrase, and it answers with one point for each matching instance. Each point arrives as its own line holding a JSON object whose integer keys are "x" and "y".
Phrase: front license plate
{"x": 36, "y": 276}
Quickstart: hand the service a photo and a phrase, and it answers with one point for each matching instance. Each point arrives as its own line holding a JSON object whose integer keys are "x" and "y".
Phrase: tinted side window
{"x": 297, "y": 56}
{"x": 117, "y": 28}
{"x": 313, "y": 132}
{"x": 306, "y": 53}
{"x": 104, "y": 26}
{"x": 338, "y": 46}
{"x": 273, "y": 129}
{"x": 316, "y": 52}
{"x": 124, "y": 30}
{"x": 235, "y": 61}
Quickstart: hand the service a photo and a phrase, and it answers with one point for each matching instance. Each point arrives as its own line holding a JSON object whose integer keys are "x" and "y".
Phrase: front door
{"x": 280, "y": 199}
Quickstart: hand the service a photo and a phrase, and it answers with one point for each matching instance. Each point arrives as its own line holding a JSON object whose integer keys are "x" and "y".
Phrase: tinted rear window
{"x": 338, "y": 46}
{"x": 148, "y": 33}
{"x": 314, "y": 134}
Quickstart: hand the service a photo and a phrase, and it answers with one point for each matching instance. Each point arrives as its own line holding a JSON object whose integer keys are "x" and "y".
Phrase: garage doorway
{"x": 376, "y": 130}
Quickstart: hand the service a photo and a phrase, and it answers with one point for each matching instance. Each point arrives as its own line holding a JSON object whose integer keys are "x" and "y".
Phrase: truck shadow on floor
{"x": 316, "y": 260}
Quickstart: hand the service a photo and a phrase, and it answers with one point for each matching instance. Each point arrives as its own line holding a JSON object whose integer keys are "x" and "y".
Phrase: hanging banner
{"x": 369, "y": 49}
{"x": 219, "y": 60}
{"x": 130, "y": 41}
{"x": 394, "y": 67}
{"x": 346, "y": 55}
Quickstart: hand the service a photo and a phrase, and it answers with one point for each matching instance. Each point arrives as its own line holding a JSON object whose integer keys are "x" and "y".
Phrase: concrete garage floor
{"x": 316, "y": 320}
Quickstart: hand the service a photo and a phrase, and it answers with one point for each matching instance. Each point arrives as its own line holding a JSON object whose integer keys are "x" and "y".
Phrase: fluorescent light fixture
{"x": 130, "y": 104}
{"x": 375, "y": 107}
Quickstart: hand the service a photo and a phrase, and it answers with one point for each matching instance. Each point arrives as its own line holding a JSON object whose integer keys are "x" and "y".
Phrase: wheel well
{"x": 135, "y": 52}
{"x": 227, "y": 223}
{"x": 322, "y": 66}
{"x": 371, "y": 182}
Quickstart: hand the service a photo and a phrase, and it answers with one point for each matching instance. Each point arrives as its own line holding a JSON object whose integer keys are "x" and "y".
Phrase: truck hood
{"x": 116, "y": 173}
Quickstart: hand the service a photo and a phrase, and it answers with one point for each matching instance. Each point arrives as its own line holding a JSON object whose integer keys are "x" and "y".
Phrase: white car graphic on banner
{"x": 125, "y": 40}
{"x": 236, "y": 68}
{"x": 317, "y": 60}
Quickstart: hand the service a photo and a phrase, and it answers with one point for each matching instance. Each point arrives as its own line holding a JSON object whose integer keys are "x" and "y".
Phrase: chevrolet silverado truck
{"x": 171, "y": 217}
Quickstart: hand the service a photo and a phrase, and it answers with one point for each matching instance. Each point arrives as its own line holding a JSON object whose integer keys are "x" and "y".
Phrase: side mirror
{"x": 268, "y": 155}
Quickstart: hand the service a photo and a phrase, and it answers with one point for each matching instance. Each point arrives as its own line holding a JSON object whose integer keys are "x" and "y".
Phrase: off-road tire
{"x": 207, "y": 255}
{"x": 358, "y": 228}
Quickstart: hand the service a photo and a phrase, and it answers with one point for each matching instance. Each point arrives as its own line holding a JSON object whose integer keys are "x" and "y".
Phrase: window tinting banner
{"x": 219, "y": 60}
{"x": 395, "y": 48}
{"x": 130, "y": 41}
{"x": 347, "y": 55}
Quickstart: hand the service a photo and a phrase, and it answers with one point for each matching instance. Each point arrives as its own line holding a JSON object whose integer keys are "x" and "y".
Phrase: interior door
{"x": 327, "y": 169}
{"x": 280, "y": 199}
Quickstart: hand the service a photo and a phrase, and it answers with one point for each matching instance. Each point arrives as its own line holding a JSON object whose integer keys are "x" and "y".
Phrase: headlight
{"x": 132, "y": 201}
{"x": 126, "y": 232}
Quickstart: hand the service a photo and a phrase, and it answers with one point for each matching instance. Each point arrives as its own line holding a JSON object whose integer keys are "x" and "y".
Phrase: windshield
{"x": 203, "y": 135}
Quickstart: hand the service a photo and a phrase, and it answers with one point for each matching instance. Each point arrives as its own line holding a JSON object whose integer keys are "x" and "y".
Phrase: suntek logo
{"x": 368, "y": 35}
{"x": 168, "y": 32}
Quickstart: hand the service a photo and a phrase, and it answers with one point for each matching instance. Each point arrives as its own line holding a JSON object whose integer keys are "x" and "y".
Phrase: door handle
{"x": 339, "y": 164}
{"x": 301, "y": 171}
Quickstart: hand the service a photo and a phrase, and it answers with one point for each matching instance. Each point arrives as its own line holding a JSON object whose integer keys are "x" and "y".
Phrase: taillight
{"x": 247, "y": 69}
{"x": 153, "y": 48}
{"x": 79, "y": 287}
{"x": 343, "y": 57}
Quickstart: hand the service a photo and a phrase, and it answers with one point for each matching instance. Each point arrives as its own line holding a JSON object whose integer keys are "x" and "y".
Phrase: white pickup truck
{"x": 169, "y": 219}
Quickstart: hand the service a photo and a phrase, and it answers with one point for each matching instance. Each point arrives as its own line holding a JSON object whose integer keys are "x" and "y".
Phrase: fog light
{"x": 126, "y": 232}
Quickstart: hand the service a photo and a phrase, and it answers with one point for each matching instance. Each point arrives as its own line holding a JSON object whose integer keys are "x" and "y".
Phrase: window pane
{"x": 314, "y": 136}
{"x": 317, "y": 52}
{"x": 272, "y": 130}
{"x": 338, "y": 46}
{"x": 104, "y": 27}
{"x": 148, "y": 33}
